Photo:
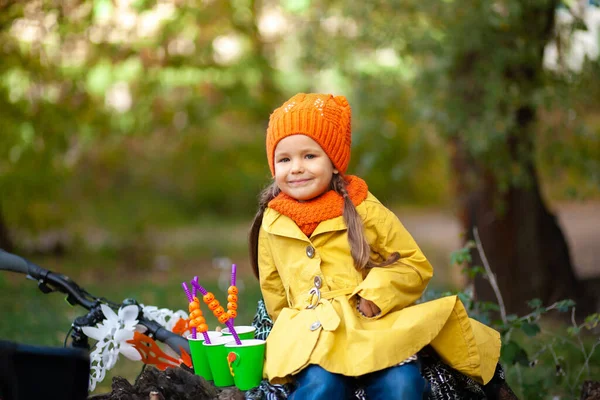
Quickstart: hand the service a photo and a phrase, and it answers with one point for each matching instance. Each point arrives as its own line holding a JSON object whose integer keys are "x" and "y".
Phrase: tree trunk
{"x": 524, "y": 244}
{"x": 5, "y": 241}
{"x": 522, "y": 240}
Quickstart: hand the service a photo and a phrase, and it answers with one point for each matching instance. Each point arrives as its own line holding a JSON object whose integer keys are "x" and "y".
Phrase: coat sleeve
{"x": 271, "y": 285}
{"x": 400, "y": 284}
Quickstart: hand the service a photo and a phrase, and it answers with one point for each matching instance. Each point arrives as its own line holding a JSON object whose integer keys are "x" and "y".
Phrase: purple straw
{"x": 187, "y": 292}
{"x": 194, "y": 329}
{"x": 206, "y": 338}
{"x": 229, "y": 324}
{"x": 233, "y": 276}
{"x": 197, "y": 286}
{"x": 200, "y": 288}
{"x": 193, "y": 290}
{"x": 190, "y": 297}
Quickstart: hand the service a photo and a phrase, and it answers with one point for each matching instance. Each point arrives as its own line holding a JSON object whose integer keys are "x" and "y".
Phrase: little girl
{"x": 340, "y": 274}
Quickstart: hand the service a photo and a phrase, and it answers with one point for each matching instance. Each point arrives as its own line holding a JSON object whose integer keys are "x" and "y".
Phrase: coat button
{"x": 315, "y": 325}
{"x": 310, "y": 251}
{"x": 318, "y": 282}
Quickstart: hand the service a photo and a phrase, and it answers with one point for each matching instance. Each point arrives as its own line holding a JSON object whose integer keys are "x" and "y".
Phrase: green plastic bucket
{"x": 246, "y": 362}
{"x": 199, "y": 359}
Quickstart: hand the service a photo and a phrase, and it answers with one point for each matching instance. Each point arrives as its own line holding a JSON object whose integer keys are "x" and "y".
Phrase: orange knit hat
{"x": 322, "y": 117}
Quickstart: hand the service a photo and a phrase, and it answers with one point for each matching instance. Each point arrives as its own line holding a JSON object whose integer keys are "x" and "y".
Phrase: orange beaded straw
{"x": 196, "y": 318}
{"x": 197, "y": 321}
{"x": 232, "y": 297}
{"x": 218, "y": 310}
{"x": 232, "y": 301}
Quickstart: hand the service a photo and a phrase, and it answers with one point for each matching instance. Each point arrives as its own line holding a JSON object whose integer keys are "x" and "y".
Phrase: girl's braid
{"x": 268, "y": 194}
{"x": 359, "y": 247}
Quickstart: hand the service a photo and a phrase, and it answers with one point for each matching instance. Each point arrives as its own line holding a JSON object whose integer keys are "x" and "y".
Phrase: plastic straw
{"x": 197, "y": 286}
{"x": 193, "y": 290}
{"x": 233, "y": 279}
{"x": 190, "y": 297}
{"x": 229, "y": 324}
{"x": 200, "y": 288}
{"x": 187, "y": 292}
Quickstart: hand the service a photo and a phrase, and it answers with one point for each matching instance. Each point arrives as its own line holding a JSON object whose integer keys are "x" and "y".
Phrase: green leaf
{"x": 511, "y": 317}
{"x": 457, "y": 258}
{"x": 592, "y": 321}
{"x": 573, "y": 330}
{"x": 512, "y": 353}
{"x": 103, "y": 9}
{"x": 564, "y": 305}
{"x": 461, "y": 256}
{"x": 489, "y": 306}
{"x": 128, "y": 70}
{"x": 530, "y": 329}
{"x": 296, "y": 6}
{"x": 99, "y": 78}
{"x": 464, "y": 297}
{"x": 476, "y": 271}
{"x": 535, "y": 303}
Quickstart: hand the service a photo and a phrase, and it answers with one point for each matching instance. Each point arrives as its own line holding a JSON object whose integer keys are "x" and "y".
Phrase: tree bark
{"x": 522, "y": 239}
{"x": 525, "y": 245}
{"x": 5, "y": 241}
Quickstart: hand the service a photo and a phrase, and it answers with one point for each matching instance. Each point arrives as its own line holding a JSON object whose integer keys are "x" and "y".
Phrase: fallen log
{"x": 183, "y": 384}
{"x": 172, "y": 384}
{"x": 590, "y": 390}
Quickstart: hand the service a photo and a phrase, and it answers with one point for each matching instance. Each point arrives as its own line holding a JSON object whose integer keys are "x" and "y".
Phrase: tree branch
{"x": 490, "y": 274}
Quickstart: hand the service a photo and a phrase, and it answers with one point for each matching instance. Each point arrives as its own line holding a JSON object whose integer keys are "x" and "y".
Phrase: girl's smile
{"x": 302, "y": 168}
{"x": 298, "y": 182}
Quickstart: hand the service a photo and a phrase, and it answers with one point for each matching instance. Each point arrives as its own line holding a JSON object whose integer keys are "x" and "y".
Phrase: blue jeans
{"x": 402, "y": 382}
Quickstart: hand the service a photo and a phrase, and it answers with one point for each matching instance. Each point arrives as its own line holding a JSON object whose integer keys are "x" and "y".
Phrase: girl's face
{"x": 302, "y": 168}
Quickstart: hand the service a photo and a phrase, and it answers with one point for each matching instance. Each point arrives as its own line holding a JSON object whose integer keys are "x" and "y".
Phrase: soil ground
{"x": 440, "y": 231}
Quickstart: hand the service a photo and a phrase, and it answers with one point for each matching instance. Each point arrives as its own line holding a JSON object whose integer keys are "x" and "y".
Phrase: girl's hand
{"x": 367, "y": 307}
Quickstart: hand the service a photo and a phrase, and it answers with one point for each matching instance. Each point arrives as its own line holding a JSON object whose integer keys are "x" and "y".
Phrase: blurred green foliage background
{"x": 120, "y": 117}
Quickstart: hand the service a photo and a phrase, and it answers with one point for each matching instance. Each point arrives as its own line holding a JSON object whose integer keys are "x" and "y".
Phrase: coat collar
{"x": 279, "y": 224}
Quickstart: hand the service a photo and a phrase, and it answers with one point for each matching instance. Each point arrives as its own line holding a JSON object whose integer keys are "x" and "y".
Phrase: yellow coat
{"x": 334, "y": 335}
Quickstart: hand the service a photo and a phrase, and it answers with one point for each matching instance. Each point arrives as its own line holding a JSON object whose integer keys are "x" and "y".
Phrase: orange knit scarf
{"x": 307, "y": 215}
